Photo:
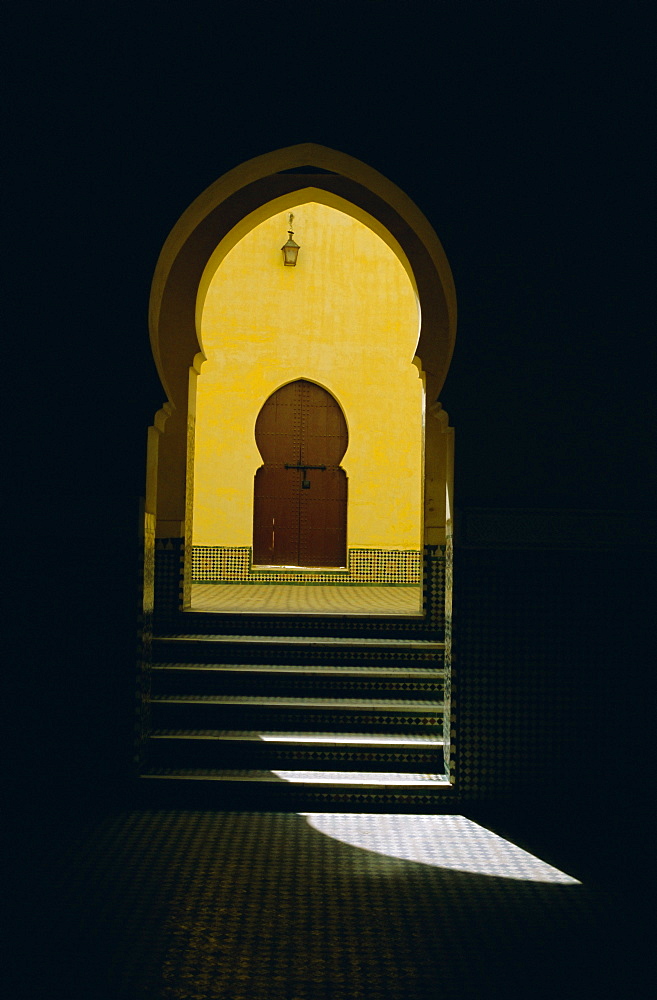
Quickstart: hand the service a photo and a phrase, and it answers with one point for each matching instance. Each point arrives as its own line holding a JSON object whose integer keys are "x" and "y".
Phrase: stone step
{"x": 247, "y": 624}
{"x": 299, "y": 651}
{"x": 302, "y": 736}
{"x": 230, "y": 712}
{"x": 300, "y": 751}
{"x": 269, "y": 680}
{"x": 324, "y": 670}
{"x": 258, "y": 790}
{"x": 379, "y": 780}
{"x": 304, "y": 640}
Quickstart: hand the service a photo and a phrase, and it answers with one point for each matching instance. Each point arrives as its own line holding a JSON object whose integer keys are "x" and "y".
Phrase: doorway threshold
{"x": 261, "y": 568}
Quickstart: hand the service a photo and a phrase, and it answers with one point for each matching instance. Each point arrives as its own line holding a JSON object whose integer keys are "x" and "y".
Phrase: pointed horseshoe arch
{"x": 210, "y": 227}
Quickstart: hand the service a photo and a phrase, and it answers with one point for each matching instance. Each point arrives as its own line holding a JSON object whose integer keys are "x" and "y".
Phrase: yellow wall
{"x": 346, "y": 317}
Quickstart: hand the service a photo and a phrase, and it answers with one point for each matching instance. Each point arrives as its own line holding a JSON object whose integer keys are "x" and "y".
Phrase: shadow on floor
{"x": 174, "y": 904}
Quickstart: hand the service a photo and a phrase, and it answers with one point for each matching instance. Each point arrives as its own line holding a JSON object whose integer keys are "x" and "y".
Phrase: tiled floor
{"x": 171, "y": 904}
{"x": 309, "y": 599}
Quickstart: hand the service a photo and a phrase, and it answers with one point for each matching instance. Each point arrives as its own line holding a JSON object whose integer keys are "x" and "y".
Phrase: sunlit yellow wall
{"x": 346, "y": 317}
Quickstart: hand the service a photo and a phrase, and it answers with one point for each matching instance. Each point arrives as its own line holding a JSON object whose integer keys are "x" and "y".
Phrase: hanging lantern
{"x": 290, "y": 249}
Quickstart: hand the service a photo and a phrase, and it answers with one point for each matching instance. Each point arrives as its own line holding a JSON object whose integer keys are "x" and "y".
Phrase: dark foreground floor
{"x": 205, "y": 905}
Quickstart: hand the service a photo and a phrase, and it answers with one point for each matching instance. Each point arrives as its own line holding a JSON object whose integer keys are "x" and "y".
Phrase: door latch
{"x": 305, "y": 483}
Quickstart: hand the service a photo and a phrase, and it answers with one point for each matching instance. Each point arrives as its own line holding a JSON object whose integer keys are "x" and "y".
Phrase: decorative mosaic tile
{"x": 219, "y": 564}
{"x": 146, "y": 597}
{"x": 189, "y": 904}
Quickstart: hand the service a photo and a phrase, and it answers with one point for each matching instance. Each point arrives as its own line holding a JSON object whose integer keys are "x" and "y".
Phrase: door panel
{"x": 278, "y": 427}
{"x": 324, "y": 427}
{"x": 323, "y": 519}
{"x": 275, "y": 518}
{"x": 296, "y": 524}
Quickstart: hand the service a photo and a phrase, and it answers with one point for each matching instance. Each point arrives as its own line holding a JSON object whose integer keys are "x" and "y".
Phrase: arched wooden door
{"x": 300, "y": 492}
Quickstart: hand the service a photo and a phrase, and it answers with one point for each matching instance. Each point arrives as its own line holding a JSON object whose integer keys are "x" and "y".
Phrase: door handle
{"x": 305, "y": 483}
{"x": 304, "y": 467}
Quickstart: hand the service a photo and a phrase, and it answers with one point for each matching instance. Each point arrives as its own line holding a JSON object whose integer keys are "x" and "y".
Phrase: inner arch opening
{"x": 347, "y": 318}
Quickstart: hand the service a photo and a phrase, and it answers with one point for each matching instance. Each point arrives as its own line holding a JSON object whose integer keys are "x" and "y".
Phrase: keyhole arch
{"x": 300, "y": 490}
{"x": 329, "y": 438}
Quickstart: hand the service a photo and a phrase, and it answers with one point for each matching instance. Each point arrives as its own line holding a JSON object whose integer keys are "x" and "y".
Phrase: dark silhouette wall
{"x": 521, "y": 135}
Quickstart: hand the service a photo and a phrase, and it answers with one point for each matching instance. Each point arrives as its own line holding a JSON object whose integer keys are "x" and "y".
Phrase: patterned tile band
{"x": 218, "y": 564}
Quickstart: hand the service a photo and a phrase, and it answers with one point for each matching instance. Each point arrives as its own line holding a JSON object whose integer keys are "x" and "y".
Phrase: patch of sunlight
{"x": 369, "y": 779}
{"x": 452, "y": 842}
{"x": 366, "y": 739}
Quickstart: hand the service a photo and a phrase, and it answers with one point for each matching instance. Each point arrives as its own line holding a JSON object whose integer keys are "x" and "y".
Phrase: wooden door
{"x": 300, "y": 492}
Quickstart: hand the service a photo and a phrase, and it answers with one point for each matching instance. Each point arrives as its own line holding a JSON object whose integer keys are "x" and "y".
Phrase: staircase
{"x": 296, "y": 711}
